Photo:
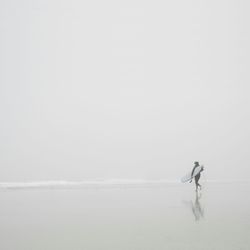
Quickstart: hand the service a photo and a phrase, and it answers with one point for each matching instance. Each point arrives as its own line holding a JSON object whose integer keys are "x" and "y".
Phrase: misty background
{"x": 124, "y": 89}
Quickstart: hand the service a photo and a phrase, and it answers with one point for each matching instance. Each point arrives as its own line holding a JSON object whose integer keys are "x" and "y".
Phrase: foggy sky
{"x": 124, "y": 89}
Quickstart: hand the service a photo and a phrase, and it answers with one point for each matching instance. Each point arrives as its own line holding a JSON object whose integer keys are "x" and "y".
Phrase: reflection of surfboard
{"x": 188, "y": 176}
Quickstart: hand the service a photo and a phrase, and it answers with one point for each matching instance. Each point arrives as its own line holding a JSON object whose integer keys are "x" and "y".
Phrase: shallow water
{"x": 146, "y": 218}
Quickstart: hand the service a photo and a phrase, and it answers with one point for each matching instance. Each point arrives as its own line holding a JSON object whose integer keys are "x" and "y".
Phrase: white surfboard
{"x": 188, "y": 176}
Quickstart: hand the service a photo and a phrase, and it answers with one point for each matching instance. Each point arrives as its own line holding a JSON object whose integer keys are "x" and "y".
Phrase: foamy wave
{"x": 85, "y": 184}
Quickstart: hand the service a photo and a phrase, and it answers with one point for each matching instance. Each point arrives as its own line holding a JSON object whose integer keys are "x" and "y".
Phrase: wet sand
{"x": 146, "y": 218}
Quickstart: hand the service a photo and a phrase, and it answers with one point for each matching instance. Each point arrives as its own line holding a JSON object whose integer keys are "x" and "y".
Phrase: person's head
{"x": 196, "y": 163}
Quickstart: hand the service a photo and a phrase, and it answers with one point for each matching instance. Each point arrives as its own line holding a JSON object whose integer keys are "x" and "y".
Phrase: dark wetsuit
{"x": 197, "y": 177}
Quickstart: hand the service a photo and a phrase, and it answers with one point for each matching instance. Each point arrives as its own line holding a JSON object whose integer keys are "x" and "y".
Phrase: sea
{"x": 125, "y": 215}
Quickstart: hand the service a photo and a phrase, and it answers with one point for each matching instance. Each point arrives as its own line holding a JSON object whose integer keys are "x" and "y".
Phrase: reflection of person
{"x": 196, "y": 208}
{"x": 197, "y": 177}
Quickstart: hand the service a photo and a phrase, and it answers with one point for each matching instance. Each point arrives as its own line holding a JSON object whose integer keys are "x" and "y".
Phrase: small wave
{"x": 85, "y": 184}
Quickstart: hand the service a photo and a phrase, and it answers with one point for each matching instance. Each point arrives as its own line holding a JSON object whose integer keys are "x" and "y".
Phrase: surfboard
{"x": 188, "y": 176}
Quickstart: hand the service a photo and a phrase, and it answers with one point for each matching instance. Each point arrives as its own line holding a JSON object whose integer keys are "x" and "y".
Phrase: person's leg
{"x": 197, "y": 177}
{"x": 199, "y": 185}
{"x": 196, "y": 184}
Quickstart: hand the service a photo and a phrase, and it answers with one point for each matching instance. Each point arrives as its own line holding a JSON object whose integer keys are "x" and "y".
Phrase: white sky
{"x": 124, "y": 89}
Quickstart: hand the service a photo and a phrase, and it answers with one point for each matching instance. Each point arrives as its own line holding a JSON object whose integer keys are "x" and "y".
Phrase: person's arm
{"x": 192, "y": 173}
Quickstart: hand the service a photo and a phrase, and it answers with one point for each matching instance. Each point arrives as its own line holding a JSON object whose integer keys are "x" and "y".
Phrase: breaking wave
{"x": 86, "y": 184}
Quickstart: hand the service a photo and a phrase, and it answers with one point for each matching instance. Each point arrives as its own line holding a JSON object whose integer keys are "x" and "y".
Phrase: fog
{"x": 124, "y": 89}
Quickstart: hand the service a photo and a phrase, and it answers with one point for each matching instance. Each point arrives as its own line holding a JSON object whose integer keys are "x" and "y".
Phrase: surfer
{"x": 197, "y": 177}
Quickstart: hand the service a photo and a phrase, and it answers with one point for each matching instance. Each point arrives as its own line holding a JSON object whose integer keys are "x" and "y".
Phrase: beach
{"x": 146, "y": 217}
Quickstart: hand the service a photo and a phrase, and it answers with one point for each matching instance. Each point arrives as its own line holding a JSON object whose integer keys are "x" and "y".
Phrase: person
{"x": 196, "y": 177}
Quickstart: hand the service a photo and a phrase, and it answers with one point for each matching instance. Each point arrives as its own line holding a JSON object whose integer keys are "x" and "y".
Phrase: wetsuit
{"x": 197, "y": 177}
